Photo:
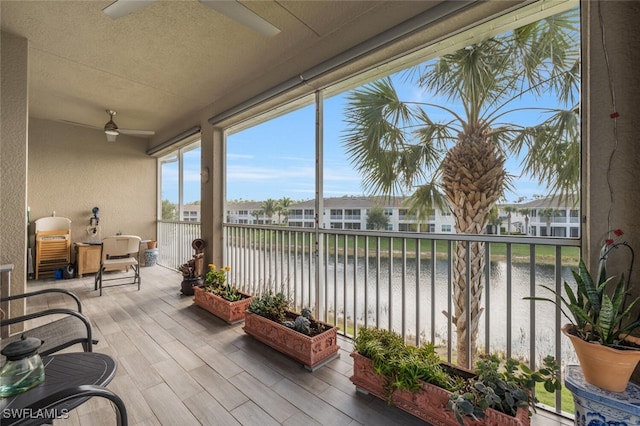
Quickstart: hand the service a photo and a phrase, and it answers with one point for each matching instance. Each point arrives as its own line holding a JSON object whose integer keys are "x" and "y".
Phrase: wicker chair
{"x": 70, "y": 329}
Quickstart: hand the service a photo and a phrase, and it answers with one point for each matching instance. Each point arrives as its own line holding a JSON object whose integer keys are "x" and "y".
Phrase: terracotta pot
{"x": 230, "y": 312}
{"x": 152, "y": 244}
{"x": 312, "y": 352}
{"x": 430, "y": 402}
{"x": 605, "y": 367}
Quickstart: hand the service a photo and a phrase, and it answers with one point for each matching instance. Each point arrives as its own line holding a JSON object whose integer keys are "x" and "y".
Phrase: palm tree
{"x": 283, "y": 208}
{"x": 256, "y": 214}
{"x": 509, "y": 210}
{"x": 525, "y": 213}
{"x": 548, "y": 213}
{"x": 403, "y": 148}
{"x": 269, "y": 208}
{"x": 493, "y": 219}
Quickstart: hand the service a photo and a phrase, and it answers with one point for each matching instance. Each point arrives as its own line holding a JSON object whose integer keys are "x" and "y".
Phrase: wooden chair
{"x": 53, "y": 244}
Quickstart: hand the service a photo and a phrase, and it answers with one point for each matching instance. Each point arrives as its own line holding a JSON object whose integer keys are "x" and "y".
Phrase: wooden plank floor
{"x": 180, "y": 365}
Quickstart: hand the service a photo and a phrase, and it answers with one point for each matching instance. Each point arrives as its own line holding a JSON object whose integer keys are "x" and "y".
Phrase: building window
{"x": 445, "y": 228}
{"x": 352, "y": 214}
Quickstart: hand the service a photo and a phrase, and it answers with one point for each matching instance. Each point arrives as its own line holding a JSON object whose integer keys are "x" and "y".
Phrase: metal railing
{"x": 403, "y": 282}
{"x": 400, "y": 281}
{"x": 174, "y": 242}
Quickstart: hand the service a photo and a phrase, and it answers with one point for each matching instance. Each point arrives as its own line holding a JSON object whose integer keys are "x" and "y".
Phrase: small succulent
{"x": 271, "y": 306}
{"x": 302, "y": 323}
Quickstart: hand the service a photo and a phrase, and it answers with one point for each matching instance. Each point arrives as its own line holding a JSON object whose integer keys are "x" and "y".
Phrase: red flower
{"x": 608, "y": 241}
{"x": 618, "y": 232}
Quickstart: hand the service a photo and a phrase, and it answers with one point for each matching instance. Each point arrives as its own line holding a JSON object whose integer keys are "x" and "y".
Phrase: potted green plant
{"x": 599, "y": 322}
{"x": 299, "y": 336}
{"x": 417, "y": 381}
{"x": 221, "y": 298}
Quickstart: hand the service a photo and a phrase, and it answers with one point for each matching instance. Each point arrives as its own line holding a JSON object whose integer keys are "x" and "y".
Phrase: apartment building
{"x": 349, "y": 212}
{"x": 541, "y": 217}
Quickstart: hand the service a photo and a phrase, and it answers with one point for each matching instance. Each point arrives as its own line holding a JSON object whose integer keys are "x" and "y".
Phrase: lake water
{"x": 397, "y": 303}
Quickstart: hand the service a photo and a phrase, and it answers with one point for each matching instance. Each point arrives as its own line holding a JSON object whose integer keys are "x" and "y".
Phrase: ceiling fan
{"x": 112, "y": 130}
{"x": 231, "y": 8}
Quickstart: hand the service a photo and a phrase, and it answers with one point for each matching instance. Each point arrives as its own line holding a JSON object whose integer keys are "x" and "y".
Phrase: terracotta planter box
{"x": 312, "y": 352}
{"x": 231, "y": 312}
{"x": 430, "y": 403}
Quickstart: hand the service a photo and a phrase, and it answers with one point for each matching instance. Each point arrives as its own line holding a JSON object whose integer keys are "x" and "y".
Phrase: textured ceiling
{"x": 165, "y": 63}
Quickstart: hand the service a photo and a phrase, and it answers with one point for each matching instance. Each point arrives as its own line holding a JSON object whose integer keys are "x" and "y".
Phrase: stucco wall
{"x": 13, "y": 165}
{"x": 73, "y": 169}
{"x": 612, "y": 146}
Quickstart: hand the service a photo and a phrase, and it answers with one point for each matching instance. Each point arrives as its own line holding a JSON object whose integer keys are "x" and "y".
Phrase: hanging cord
{"x": 614, "y": 115}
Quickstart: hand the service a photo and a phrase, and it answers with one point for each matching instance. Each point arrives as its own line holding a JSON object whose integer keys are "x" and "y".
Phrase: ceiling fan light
{"x": 111, "y": 128}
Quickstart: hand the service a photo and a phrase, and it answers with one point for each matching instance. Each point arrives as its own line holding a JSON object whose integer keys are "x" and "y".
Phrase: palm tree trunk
{"x": 473, "y": 177}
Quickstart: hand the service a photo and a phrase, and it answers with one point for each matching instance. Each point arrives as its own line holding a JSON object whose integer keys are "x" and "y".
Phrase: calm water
{"x": 398, "y": 300}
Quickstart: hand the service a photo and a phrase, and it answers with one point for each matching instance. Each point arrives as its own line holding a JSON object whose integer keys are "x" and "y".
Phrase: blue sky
{"x": 276, "y": 159}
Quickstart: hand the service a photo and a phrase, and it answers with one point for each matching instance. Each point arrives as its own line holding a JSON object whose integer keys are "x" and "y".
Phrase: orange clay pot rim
{"x": 633, "y": 339}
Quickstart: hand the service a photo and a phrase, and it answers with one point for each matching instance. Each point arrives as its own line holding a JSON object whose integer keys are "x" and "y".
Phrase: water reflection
{"x": 398, "y": 303}
{"x": 407, "y": 296}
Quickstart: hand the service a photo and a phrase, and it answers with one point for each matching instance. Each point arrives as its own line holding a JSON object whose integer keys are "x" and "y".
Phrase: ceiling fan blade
{"x": 238, "y": 12}
{"x": 135, "y": 132}
{"x": 75, "y": 123}
{"x": 120, "y": 8}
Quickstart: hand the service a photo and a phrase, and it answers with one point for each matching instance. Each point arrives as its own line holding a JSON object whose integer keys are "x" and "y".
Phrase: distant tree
{"x": 282, "y": 208}
{"x": 494, "y": 220}
{"x": 548, "y": 213}
{"x": 256, "y": 213}
{"x": 509, "y": 210}
{"x": 525, "y": 213}
{"x": 169, "y": 210}
{"x": 269, "y": 207}
{"x": 377, "y": 219}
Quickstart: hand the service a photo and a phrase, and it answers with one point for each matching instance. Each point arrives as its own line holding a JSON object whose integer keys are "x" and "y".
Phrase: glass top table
{"x": 70, "y": 380}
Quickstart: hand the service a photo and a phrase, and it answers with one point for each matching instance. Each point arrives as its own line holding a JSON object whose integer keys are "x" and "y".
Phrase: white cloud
{"x": 240, "y": 156}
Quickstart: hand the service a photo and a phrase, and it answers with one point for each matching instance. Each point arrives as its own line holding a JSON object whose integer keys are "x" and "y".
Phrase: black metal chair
{"x": 70, "y": 329}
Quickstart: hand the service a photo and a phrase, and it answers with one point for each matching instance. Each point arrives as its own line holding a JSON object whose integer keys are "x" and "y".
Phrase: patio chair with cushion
{"x": 67, "y": 328}
{"x": 120, "y": 252}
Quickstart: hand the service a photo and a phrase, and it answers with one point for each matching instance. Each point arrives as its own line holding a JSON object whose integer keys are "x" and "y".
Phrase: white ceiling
{"x": 167, "y": 62}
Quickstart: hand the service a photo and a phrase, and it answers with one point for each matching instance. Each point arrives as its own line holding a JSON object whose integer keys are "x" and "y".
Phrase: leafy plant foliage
{"x": 598, "y": 312}
{"x": 271, "y": 306}
{"x": 276, "y": 308}
{"x": 504, "y": 387}
{"x": 216, "y": 282}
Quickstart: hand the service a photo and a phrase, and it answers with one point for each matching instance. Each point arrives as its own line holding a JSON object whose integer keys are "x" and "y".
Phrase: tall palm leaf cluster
{"x": 457, "y": 162}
